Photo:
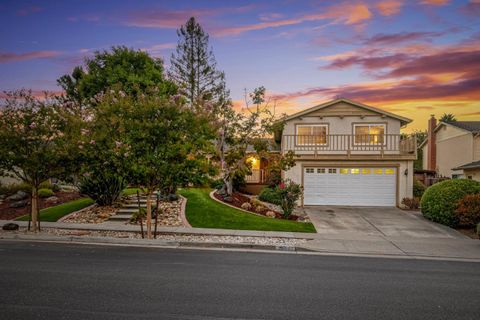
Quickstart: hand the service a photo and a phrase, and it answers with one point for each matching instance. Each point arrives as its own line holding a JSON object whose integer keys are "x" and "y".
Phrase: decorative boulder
{"x": 52, "y": 199}
{"x": 10, "y": 226}
{"x": 260, "y": 208}
{"x": 246, "y": 206}
{"x": 227, "y": 199}
{"x": 20, "y": 195}
{"x": 270, "y": 214}
{"x": 19, "y": 204}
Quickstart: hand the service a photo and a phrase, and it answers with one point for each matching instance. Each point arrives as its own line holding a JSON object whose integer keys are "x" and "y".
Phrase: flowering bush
{"x": 468, "y": 210}
{"x": 289, "y": 193}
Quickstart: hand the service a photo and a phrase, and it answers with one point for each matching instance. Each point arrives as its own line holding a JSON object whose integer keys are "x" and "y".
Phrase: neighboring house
{"x": 349, "y": 153}
{"x": 452, "y": 149}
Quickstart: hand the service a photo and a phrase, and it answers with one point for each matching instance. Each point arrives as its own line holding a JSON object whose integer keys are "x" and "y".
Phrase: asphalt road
{"x": 68, "y": 281}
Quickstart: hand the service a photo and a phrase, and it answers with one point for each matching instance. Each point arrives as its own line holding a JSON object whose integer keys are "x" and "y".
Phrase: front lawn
{"x": 52, "y": 214}
{"x": 204, "y": 212}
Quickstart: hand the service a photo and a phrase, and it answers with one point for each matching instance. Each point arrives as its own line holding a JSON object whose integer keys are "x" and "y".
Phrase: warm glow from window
{"x": 378, "y": 171}
{"x": 389, "y": 171}
{"x": 366, "y": 171}
{"x": 315, "y": 134}
{"x": 355, "y": 171}
{"x": 254, "y": 162}
{"x": 369, "y": 133}
{"x": 343, "y": 171}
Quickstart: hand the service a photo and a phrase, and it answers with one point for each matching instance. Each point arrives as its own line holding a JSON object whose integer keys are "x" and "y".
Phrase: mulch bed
{"x": 238, "y": 199}
{"x": 7, "y": 213}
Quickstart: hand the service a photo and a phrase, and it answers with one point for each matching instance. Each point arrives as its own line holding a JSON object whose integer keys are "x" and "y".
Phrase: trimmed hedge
{"x": 440, "y": 200}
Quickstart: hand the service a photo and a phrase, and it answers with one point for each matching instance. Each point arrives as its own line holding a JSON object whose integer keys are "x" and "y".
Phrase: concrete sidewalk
{"x": 356, "y": 244}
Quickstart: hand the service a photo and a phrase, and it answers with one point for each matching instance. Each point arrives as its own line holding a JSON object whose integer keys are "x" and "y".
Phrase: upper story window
{"x": 311, "y": 134}
{"x": 373, "y": 133}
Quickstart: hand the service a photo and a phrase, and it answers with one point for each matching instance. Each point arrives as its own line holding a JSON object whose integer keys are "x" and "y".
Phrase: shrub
{"x": 289, "y": 193}
{"x": 45, "y": 193}
{"x": 216, "y": 184}
{"x": 418, "y": 188}
{"x": 14, "y": 188}
{"x": 440, "y": 200}
{"x": 270, "y": 195}
{"x": 468, "y": 210}
{"x": 411, "y": 203}
{"x": 46, "y": 185}
{"x": 103, "y": 189}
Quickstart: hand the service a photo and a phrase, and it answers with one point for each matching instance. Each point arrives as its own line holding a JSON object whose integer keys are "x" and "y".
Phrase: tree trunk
{"x": 229, "y": 185}
{"x": 149, "y": 214}
{"x": 34, "y": 209}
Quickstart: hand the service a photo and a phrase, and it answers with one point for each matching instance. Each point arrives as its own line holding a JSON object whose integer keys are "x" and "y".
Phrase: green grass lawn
{"x": 204, "y": 212}
{"x": 52, "y": 214}
{"x": 130, "y": 191}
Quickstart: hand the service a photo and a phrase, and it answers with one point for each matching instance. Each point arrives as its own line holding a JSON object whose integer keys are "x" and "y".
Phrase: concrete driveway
{"x": 387, "y": 222}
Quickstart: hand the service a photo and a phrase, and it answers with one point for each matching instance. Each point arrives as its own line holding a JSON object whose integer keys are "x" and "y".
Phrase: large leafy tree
{"x": 193, "y": 66}
{"x": 120, "y": 68}
{"x": 163, "y": 142}
{"x": 37, "y": 141}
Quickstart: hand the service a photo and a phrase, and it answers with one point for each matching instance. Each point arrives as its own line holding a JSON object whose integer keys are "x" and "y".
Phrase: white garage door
{"x": 355, "y": 186}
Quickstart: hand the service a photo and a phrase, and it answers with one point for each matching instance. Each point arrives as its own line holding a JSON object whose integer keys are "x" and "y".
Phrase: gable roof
{"x": 471, "y": 126}
{"x": 403, "y": 120}
{"x": 471, "y": 165}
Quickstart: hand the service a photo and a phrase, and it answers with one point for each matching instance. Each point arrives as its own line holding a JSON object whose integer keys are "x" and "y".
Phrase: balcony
{"x": 351, "y": 146}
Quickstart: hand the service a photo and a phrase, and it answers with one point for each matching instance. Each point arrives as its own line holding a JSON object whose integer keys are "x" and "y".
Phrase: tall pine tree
{"x": 193, "y": 66}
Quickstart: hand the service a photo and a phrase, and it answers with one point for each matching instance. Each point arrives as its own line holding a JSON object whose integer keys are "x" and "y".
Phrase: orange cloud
{"x": 6, "y": 57}
{"x": 435, "y": 2}
{"x": 345, "y": 13}
{"x": 389, "y": 7}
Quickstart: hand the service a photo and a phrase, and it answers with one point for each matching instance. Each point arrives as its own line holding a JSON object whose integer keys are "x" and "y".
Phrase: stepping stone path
{"x": 130, "y": 207}
{"x": 169, "y": 211}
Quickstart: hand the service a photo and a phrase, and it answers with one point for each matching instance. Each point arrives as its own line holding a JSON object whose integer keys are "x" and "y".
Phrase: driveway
{"x": 388, "y": 222}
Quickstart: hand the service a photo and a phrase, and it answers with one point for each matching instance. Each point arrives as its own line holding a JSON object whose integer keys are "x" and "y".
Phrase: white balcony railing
{"x": 371, "y": 144}
{"x": 257, "y": 176}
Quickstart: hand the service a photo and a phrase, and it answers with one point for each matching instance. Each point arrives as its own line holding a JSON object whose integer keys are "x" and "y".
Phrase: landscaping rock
{"x": 10, "y": 226}
{"x": 20, "y": 195}
{"x": 227, "y": 199}
{"x": 2, "y": 196}
{"x": 270, "y": 214}
{"x": 172, "y": 197}
{"x": 246, "y": 206}
{"x": 52, "y": 199}
{"x": 19, "y": 204}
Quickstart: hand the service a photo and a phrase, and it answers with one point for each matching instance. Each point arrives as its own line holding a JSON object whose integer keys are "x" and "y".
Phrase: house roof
{"x": 471, "y": 126}
{"x": 471, "y": 165}
{"x": 403, "y": 120}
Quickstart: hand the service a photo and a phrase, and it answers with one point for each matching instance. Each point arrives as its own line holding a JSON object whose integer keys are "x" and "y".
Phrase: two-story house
{"x": 348, "y": 153}
{"x": 452, "y": 149}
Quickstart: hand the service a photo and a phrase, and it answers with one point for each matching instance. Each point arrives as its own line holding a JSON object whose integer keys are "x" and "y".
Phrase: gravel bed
{"x": 269, "y": 241}
{"x": 95, "y": 214}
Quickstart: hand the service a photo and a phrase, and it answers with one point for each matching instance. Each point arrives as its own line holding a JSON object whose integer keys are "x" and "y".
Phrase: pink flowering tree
{"x": 37, "y": 141}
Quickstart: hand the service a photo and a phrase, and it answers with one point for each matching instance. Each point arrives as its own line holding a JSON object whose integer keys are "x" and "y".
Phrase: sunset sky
{"x": 413, "y": 58}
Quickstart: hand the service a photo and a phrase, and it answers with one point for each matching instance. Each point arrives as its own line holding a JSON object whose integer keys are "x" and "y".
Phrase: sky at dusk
{"x": 413, "y": 58}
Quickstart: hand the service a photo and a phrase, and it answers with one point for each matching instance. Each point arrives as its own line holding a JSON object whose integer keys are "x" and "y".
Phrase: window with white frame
{"x": 312, "y": 134}
{"x": 369, "y": 133}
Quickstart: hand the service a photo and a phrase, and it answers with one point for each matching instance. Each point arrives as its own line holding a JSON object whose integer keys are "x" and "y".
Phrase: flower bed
{"x": 253, "y": 205}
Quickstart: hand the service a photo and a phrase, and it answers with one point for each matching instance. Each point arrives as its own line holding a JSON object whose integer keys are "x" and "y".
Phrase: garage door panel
{"x": 350, "y": 189}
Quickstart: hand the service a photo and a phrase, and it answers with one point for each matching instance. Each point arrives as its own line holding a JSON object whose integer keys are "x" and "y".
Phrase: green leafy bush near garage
{"x": 418, "y": 188}
{"x": 440, "y": 201}
{"x": 270, "y": 195}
